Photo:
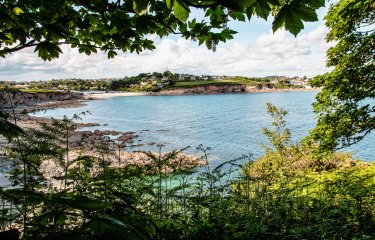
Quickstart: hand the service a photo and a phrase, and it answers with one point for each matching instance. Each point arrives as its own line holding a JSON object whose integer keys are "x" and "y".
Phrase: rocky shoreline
{"x": 201, "y": 90}
{"x": 228, "y": 89}
{"x": 87, "y": 142}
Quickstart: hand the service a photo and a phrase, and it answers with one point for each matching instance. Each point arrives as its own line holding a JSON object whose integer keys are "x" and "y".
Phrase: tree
{"x": 113, "y": 26}
{"x": 167, "y": 74}
{"x": 345, "y": 107}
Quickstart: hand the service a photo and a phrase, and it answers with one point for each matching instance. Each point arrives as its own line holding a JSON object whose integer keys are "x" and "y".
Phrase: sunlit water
{"x": 231, "y": 124}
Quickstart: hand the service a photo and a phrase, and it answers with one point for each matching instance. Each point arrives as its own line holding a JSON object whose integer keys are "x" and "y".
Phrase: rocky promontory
{"x": 27, "y": 99}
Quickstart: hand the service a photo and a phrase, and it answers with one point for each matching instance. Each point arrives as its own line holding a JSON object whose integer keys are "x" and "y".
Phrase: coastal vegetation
{"x": 345, "y": 108}
{"x": 302, "y": 190}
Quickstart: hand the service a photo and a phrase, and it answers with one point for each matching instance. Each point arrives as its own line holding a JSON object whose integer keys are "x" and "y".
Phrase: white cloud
{"x": 269, "y": 54}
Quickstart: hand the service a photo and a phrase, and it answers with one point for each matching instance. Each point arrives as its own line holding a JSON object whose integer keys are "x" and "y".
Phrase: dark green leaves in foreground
{"x": 125, "y": 26}
{"x": 47, "y": 50}
{"x": 292, "y": 14}
{"x": 345, "y": 107}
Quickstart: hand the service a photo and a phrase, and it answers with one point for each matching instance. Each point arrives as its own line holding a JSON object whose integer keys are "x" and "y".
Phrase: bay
{"x": 230, "y": 124}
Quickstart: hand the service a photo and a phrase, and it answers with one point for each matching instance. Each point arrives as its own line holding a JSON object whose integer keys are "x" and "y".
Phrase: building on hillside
{"x": 300, "y": 82}
{"x": 152, "y": 78}
{"x": 193, "y": 78}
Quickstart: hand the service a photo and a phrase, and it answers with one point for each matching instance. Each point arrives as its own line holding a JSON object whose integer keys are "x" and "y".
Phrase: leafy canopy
{"x": 346, "y": 106}
{"x": 112, "y": 26}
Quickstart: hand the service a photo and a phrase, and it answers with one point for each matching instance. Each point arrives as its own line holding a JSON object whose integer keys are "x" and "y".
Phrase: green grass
{"x": 33, "y": 90}
{"x": 28, "y": 90}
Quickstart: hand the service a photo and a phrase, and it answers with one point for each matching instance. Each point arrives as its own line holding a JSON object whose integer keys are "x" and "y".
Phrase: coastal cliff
{"x": 216, "y": 89}
{"x": 19, "y": 98}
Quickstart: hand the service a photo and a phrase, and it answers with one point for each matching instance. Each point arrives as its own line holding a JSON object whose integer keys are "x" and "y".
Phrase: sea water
{"x": 230, "y": 124}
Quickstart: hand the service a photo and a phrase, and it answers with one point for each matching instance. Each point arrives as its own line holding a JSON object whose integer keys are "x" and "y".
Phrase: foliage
{"x": 112, "y": 26}
{"x": 345, "y": 105}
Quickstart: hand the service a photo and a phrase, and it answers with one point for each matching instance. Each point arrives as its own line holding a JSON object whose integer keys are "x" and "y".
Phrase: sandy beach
{"x": 92, "y": 96}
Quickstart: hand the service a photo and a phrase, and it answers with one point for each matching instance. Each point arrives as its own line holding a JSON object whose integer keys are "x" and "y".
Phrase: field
{"x": 33, "y": 90}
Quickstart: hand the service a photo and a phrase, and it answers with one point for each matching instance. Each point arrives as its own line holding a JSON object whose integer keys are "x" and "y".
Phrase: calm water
{"x": 230, "y": 124}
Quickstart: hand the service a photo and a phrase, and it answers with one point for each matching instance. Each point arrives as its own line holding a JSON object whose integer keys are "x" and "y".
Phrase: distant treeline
{"x": 141, "y": 82}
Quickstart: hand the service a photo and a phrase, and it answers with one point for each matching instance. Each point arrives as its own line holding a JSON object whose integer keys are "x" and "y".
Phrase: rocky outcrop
{"x": 31, "y": 99}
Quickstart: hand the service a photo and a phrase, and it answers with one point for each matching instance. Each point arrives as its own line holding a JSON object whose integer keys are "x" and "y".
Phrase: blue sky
{"x": 255, "y": 51}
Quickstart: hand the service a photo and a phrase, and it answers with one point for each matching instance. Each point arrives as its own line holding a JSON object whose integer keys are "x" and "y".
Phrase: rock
{"x": 128, "y": 133}
{"x": 89, "y": 124}
{"x": 31, "y": 99}
{"x": 136, "y": 145}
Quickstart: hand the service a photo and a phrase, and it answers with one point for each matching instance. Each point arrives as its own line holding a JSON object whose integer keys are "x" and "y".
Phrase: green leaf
{"x": 181, "y": 10}
{"x": 169, "y": 3}
{"x": 250, "y": 12}
{"x": 293, "y": 22}
{"x": 306, "y": 13}
{"x": 237, "y": 16}
{"x": 99, "y": 225}
{"x": 279, "y": 19}
{"x": 291, "y": 17}
{"x": 18, "y": 11}
{"x": 248, "y": 3}
{"x": 274, "y": 2}
{"x": 48, "y": 50}
{"x": 85, "y": 203}
{"x": 5, "y": 37}
{"x": 262, "y": 9}
{"x": 111, "y": 54}
{"x": 140, "y": 5}
{"x": 113, "y": 31}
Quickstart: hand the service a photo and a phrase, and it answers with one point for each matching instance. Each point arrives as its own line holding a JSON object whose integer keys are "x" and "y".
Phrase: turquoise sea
{"x": 231, "y": 124}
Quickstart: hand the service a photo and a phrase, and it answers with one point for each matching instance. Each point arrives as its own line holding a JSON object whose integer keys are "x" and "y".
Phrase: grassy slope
{"x": 31, "y": 90}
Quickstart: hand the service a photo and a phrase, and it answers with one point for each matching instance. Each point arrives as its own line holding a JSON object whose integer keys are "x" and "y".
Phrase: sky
{"x": 254, "y": 52}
